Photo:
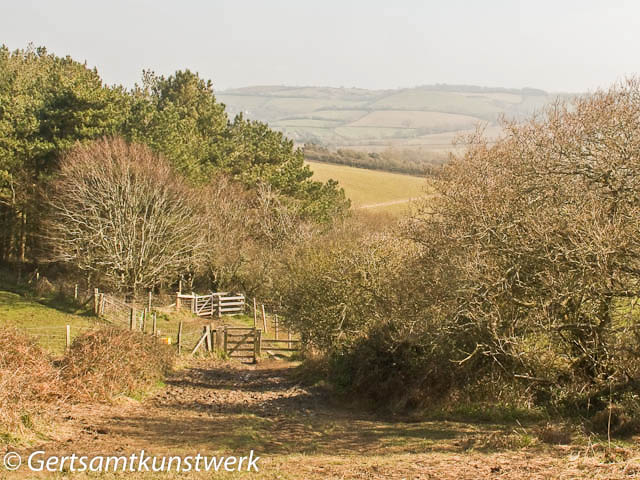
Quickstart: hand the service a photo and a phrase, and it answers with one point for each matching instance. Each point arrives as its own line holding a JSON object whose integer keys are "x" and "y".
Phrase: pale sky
{"x": 556, "y": 45}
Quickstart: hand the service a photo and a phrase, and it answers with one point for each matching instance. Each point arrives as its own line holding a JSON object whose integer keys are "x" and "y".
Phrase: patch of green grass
{"x": 45, "y": 318}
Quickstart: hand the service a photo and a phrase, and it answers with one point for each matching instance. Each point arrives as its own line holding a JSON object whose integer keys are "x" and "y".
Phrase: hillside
{"x": 371, "y": 189}
{"x": 425, "y": 118}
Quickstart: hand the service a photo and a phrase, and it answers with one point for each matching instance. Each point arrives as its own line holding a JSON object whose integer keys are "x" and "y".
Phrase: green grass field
{"x": 373, "y": 189}
{"x": 45, "y": 318}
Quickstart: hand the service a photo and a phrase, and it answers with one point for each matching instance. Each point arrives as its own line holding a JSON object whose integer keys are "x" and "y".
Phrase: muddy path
{"x": 300, "y": 432}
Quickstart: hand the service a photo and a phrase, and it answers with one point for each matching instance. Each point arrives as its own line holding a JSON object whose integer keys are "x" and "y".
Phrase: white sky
{"x": 556, "y": 45}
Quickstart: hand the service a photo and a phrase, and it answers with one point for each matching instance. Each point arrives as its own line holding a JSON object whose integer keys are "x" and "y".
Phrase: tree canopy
{"x": 48, "y": 103}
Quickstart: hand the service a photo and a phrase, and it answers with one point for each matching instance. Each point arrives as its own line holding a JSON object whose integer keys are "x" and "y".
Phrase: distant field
{"x": 403, "y": 119}
{"x": 421, "y": 118}
{"x": 373, "y": 189}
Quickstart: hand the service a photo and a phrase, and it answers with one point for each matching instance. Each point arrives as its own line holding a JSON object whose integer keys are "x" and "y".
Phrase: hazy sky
{"x": 557, "y": 45}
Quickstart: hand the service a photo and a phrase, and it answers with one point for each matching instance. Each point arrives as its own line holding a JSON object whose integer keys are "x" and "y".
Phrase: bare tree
{"x": 118, "y": 211}
{"x": 542, "y": 233}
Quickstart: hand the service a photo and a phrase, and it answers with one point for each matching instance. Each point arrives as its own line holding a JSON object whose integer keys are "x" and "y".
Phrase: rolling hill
{"x": 425, "y": 118}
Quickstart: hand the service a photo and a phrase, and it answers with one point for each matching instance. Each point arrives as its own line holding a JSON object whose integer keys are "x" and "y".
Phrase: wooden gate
{"x": 203, "y": 306}
{"x": 220, "y": 303}
{"x": 241, "y": 342}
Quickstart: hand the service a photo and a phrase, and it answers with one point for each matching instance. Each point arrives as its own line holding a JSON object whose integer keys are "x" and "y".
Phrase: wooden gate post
{"x": 264, "y": 320}
{"x": 219, "y": 305}
{"x": 257, "y": 344}
{"x": 220, "y": 339}
{"x": 96, "y": 294}
{"x": 212, "y": 337}
{"x": 255, "y": 314}
{"x": 207, "y": 332}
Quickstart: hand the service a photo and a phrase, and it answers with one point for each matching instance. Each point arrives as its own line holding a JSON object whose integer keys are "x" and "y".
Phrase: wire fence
{"x": 151, "y": 314}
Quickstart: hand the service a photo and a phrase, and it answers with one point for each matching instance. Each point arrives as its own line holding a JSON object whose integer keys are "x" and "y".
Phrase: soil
{"x": 214, "y": 408}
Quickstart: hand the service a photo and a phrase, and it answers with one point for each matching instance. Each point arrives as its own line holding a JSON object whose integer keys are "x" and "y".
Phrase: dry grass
{"x": 110, "y": 362}
{"x": 29, "y": 383}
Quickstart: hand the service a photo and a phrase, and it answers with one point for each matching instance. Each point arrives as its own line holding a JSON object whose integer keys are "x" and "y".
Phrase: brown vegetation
{"x": 106, "y": 363}
{"x": 100, "y": 366}
{"x": 28, "y": 380}
{"x": 516, "y": 283}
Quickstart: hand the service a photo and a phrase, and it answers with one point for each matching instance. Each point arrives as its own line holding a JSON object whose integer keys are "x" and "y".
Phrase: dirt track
{"x": 216, "y": 408}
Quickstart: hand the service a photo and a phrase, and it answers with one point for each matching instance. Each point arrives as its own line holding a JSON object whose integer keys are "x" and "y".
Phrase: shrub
{"x": 103, "y": 364}
{"x": 393, "y": 370}
{"x": 29, "y": 383}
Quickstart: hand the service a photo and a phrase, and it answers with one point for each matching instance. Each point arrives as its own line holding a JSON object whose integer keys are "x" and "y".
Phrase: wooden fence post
{"x": 101, "y": 306}
{"x": 177, "y": 301}
{"x": 225, "y": 340}
{"x": 289, "y": 338}
{"x": 155, "y": 325}
{"x": 68, "y": 336}
{"x": 180, "y": 337}
{"x": 75, "y": 292}
{"x": 143, "y": 319}
{"x": 96, "y": 294}
{"x": 131, "y": 319}
{"x": 219, "y": 305}
{"x": 255, "y": 313}
{"x": 207, "y": 332}
{"x": 264, "y": 320}
{"x": 212, "y": 334}
{"x": 276, "y": 326}
{"x": 219, "y": 339}
{"x": 149, "y": 303}
{"x": 257, "y": 344}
